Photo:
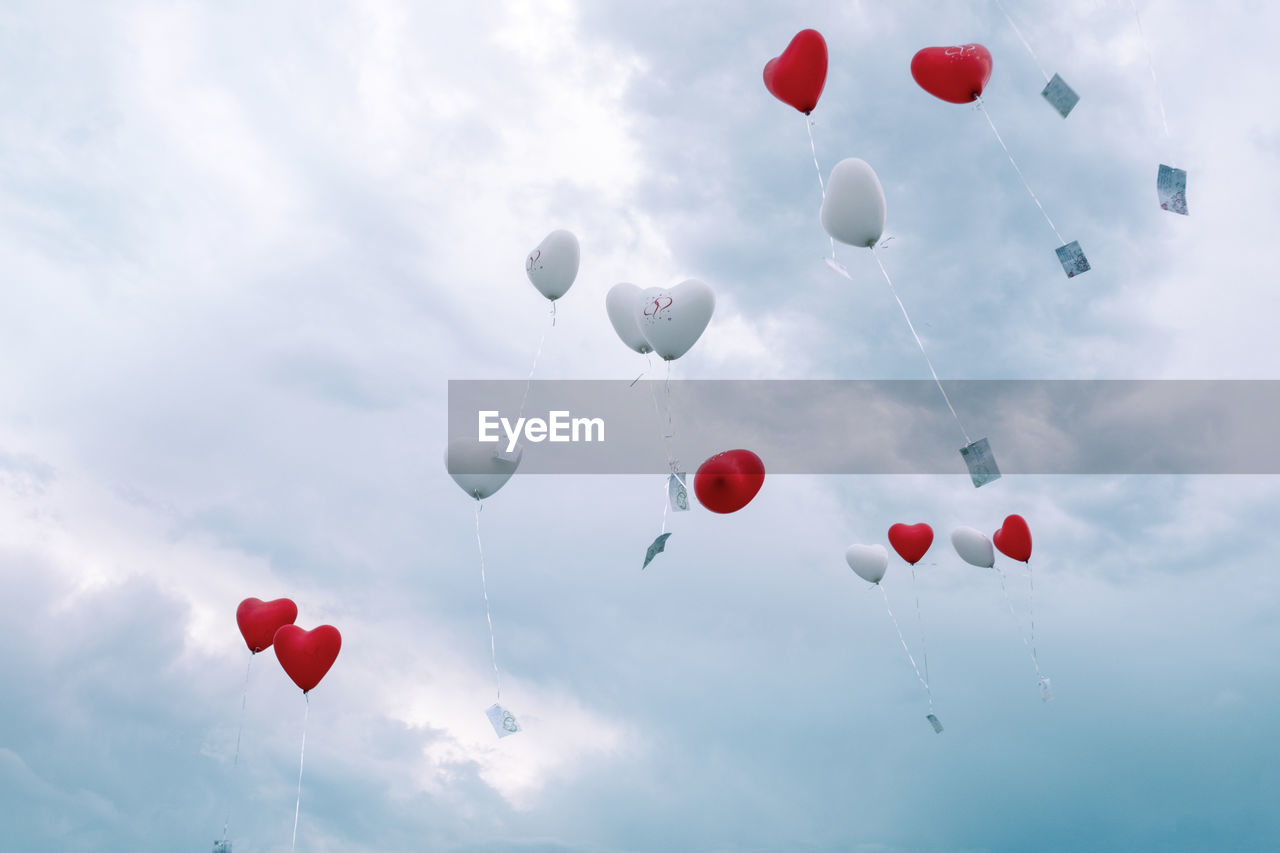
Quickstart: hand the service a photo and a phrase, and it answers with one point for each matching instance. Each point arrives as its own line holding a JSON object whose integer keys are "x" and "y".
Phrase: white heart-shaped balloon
{"x": 621, "y": 304}
{"x": 974, "y": 547}
{"x": 553, "y": 265}
{"x": 476, "y": 468}
{"x": 853, "y": 208}
{"x": 868, "y": 561}
{"x": 671, "y": 320}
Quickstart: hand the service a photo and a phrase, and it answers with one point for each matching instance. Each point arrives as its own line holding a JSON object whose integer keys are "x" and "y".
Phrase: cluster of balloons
{"x": 912, "y": 542}
{"x": 305, "y": 656}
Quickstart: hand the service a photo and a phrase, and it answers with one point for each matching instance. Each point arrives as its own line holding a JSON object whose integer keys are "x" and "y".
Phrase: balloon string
{"x": 982, "y": 109}
{"x": 924, "y": 646}
{"x": 488, "y": 615}
{"x": 528, "y": 384}
{"x": 666, "y": 506}
{"x": 1024, "y": 41}
{"x": 297, "y": 807}
{"x": 905, "y": 648}
{"x": 1018, "y": 622}
{"x": 1151, "y": 65}
{"x": 1031, "y": 608}
{"x": 808, "y": 125}
{"x": 920, "y": 344}
{"x": 235, "y": 760}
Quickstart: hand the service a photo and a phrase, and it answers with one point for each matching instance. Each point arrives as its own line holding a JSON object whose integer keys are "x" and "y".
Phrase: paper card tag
{"x": 677, "y": 493}
{"x": 933, "y": 721}
{"x": 1072, "y": 258}
{"x": 1046, "y": 690}
{"x": 981, "y": 462}
{"x": 659, "y": 545}
{"x": 222, "y": 847}
{"x": 1171, "y": 187}
{"x": 838, "y": 267}
{"x": 1060, "y": 96}
{"x": 502, "y": 720}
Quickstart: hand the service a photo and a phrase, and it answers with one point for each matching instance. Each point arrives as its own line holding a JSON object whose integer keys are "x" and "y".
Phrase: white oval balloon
{"x": 475, "y": 468}
{"x": 868, "y": 561}
{"x": 671, "y": 320}
{"x": 621, "y": 304}
{"x": 973, "y": 546}
{"x": 853, "y": 209}
{"x": 553, "y": 265}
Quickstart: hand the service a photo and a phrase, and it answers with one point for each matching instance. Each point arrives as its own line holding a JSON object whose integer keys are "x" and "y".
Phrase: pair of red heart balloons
{"x": 306, "y": 656}
{"x": 728, "y": 481}
{"x": 956, "y": 74}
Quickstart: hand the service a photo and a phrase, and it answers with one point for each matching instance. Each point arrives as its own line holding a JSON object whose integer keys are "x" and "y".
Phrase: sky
{"x": 244, "y": 248}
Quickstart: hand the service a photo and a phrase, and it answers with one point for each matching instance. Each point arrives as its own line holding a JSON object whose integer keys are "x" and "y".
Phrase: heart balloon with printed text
{"x": 955, "y": 74}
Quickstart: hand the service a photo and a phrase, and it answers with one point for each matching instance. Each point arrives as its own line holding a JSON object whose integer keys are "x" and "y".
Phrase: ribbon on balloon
{"x": 666, "y": 322}
{"x": 853, "y": 212}
{"x": 480, "y": 473}
{"x": 796, "y": 77}
{"x": 958, "y": 74}
{"x": 871, "y": 562}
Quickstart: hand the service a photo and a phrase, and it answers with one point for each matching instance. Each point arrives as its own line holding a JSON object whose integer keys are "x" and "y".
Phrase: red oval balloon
{"x": 954, "y": 74}
{"x": 728, "y": 481}
{"x": 307, "y": 655}
{"x": 259, "y": 620}
{"x": 798, "y": 75}
{"x": 1013, "y": 539}
{"x": 911, "y": 541}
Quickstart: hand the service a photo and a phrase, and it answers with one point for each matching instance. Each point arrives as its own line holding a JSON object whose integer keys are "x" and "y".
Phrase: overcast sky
{"x": 243, "y": 248}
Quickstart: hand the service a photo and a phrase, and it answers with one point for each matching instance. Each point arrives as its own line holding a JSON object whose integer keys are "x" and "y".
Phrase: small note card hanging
{"x": 222, "y": 847}
{"x": 933, "y": 721}
{"x": 981, "y": 462}
{"x": 1060, "y": 96}
{"x": 502, "y": 720}
{"x": 677, "y": 493}
{"x": 659, "y": 545}
{"x": 1171, "y": 186}
{"x": 1046, "y": 690}
{"x": 1072, "y": 258}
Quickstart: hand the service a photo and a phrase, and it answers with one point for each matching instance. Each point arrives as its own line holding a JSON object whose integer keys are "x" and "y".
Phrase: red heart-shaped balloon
{"x": 954, "y": 74}
{"x": 1013, "y": 539}
{"x": 259, "y": 620}
{"x": 911, "y": 541}
{"x": 307, "y": 655}
{"x": 728, "y": 481}
{"x": 798, "y": 75}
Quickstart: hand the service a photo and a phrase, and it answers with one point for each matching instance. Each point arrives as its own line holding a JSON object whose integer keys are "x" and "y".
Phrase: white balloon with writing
{"x": 673, "y": 319}
{"x": 853, "y": 209}
{"x": 553, "y": 265}
{"x": 621, "y": 304}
